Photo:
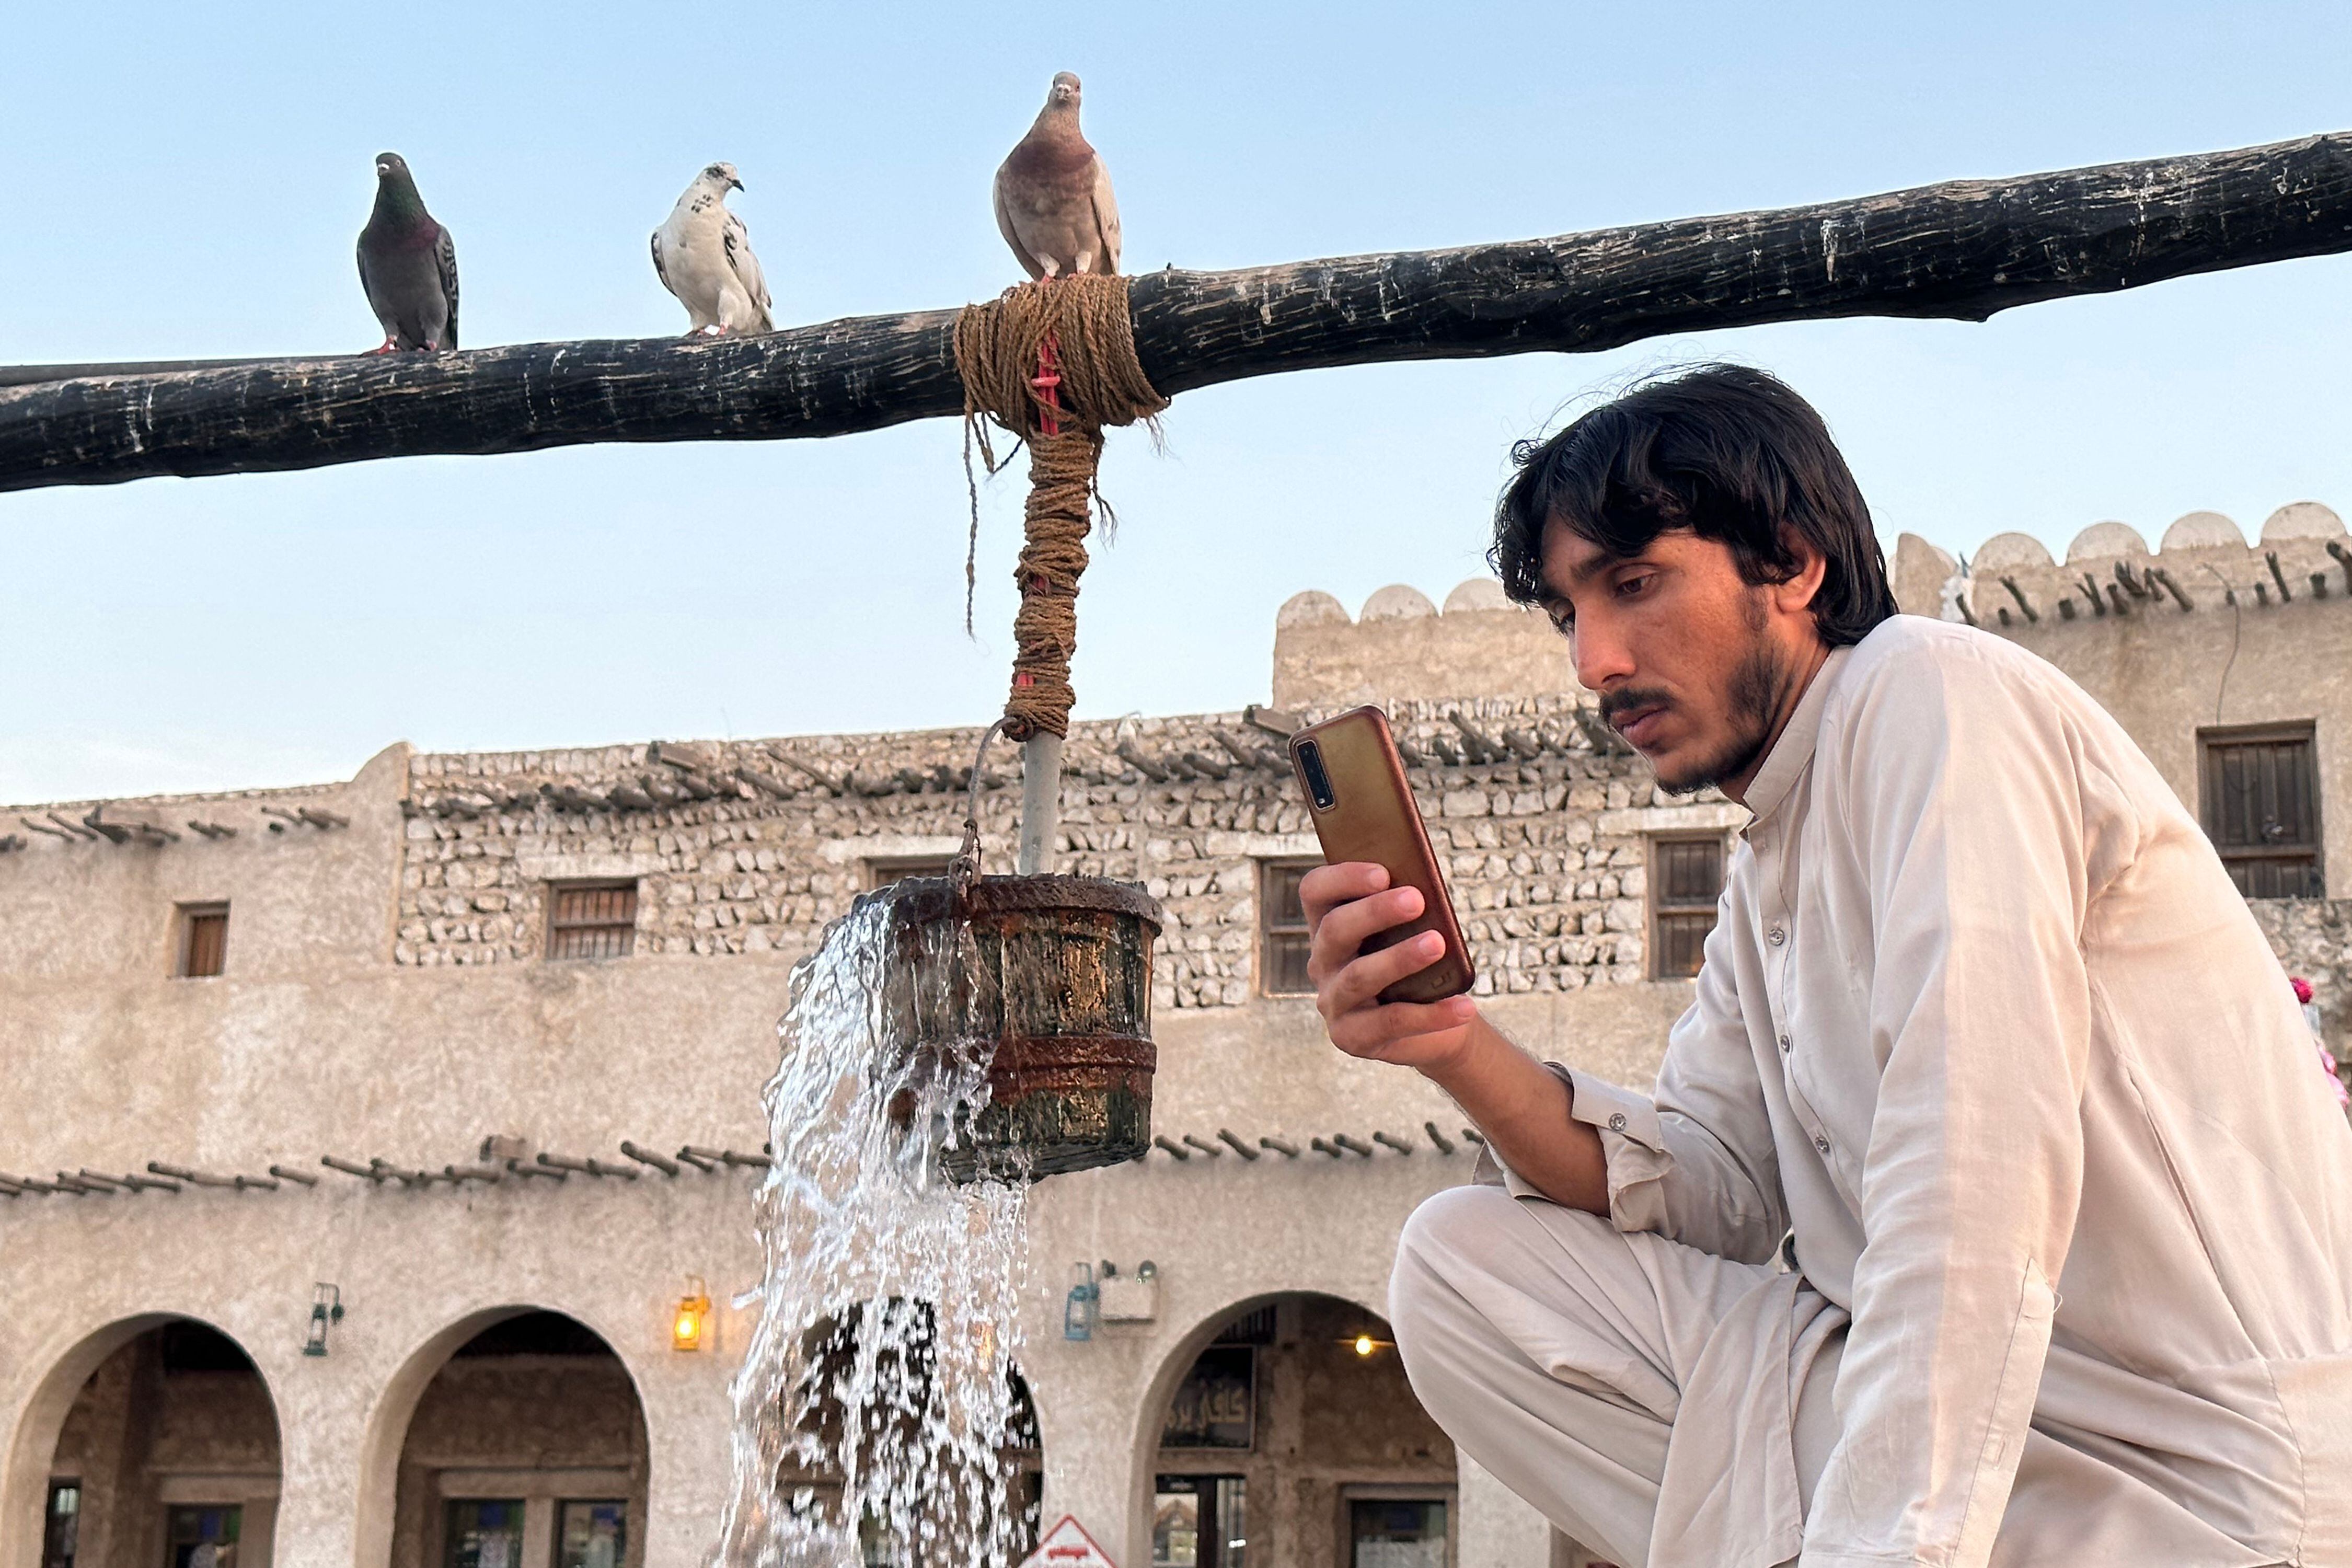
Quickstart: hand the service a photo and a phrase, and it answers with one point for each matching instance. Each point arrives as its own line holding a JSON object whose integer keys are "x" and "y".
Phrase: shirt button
{"x": 1776, "y": 936}
{"x": 1784, "y": 1042}
{"x": 1616, "y": 1122}
{"x": 1823, "y": 1145}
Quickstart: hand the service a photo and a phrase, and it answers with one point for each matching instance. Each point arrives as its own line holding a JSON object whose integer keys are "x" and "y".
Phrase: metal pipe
{"x": 1210, "y": 1149}
{"x": 1390, "y": 1141}
{"x": 1041, "y": 802}
{"x": 1231, "y": 1140}
{"x": 1287, "y": 1150}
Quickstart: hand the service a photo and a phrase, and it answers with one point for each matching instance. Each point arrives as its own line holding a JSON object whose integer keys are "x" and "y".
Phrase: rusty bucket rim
{"x": 1023, "y": 895}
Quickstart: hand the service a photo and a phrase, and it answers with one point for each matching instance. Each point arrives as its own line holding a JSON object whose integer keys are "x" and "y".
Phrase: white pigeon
{"x": 703, "y": 255}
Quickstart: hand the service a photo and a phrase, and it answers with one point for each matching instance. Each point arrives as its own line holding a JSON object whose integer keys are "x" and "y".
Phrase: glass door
{"x": 1200, "y": 1521}
{"x": 483, "y": 1533}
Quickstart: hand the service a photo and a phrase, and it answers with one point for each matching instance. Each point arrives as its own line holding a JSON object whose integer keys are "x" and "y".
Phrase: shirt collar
{"x": 1794, "y": 748}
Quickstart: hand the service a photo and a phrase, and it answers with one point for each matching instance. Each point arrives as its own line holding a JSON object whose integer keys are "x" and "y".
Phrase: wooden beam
{"x": 1960, "y": 250}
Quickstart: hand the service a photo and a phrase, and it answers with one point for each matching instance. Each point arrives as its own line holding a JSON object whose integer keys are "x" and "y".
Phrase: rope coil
{"x": 1052, "y": 364}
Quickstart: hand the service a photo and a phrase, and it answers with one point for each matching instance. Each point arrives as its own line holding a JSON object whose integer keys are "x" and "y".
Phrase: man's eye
{"x": 1564, "y": 623}
{"x": 1627, "y": 588}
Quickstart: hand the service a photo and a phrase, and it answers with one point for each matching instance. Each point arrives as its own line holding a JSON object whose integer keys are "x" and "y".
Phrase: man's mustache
{"x": 1626, "y": 699}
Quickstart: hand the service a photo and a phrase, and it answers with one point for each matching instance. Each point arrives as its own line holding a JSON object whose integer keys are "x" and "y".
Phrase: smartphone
{"x": 1363, "y": 810}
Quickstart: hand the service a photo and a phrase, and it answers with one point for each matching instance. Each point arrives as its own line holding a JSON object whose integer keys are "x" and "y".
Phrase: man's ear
{"x": 1796, "y": 593}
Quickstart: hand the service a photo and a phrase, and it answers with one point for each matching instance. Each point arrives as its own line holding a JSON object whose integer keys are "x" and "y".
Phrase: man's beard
{"x": 1752, "y": 699}
{"x": 1759, "y": 687}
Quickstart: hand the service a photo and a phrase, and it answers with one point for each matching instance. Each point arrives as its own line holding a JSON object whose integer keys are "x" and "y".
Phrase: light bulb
{"x": 1364, "y": 1345}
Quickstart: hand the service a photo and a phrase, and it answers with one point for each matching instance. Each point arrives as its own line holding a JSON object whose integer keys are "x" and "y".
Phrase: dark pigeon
{"x": 408, "y": 264}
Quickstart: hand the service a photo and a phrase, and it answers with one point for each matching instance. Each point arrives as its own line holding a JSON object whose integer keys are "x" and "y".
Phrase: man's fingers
{"x": 1363, "y": 980}
{"x": 1342, "y": 933}
{"x": 1327, "y": 887}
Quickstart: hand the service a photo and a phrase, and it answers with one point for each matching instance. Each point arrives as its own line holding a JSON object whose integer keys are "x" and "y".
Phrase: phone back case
{"x": 1372, "y": 816}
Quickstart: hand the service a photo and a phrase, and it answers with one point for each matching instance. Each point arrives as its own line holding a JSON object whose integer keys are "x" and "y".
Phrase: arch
{"x": 2202, "y": 531}
{"x": 2302, "y": 520}
{"x": 32, "y": 1450}
{"x": 395, "y": 1410}
{"x": 1177, "y": 1361}
{"x": 2104, "y": 539}
{"x": 1312, "y": 608}
{"x": 2008, "y": 552}
{"x": 900, "y": 1358}
{"x": 1475, "y": 595}
{"x": 1397, "y": 602}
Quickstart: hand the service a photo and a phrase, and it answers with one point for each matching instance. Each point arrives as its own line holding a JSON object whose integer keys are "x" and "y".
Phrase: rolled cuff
{"x": 1631, "y": 1142}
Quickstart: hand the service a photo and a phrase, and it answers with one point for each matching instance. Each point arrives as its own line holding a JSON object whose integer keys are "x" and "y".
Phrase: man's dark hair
{"x": 1727, "y": 452}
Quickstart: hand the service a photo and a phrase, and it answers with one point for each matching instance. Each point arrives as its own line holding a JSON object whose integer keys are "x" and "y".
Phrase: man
{"x": 1987, "y": 1208}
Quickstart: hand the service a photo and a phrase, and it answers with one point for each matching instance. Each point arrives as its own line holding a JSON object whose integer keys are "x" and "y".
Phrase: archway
{"x": 892, "y": 1358}
{"x": 527, "y": 1445}
{"x": 1282, "y": 1430}
{"x": 166, "y": 1452}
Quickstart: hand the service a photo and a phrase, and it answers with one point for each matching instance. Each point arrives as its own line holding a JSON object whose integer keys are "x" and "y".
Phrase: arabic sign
{"x": 1213, "y": 1407}
{"x": 1067, "y": 1545}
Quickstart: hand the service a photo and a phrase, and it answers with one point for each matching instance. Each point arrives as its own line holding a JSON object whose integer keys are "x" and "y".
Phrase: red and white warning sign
{"x": 1067, "y": 1545}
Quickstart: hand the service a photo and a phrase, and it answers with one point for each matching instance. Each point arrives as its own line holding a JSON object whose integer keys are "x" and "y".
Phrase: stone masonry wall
{"x": 1544, "y": 838}
{"x": 2313, "y": 938}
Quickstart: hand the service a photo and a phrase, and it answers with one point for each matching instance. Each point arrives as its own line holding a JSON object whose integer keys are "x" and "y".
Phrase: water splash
{"x": 878, "y": 1401}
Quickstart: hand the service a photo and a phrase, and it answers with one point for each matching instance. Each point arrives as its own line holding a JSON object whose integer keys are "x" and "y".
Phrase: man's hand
{"x": 1344, "y": 905}
{"x": 1521, "y": 1108}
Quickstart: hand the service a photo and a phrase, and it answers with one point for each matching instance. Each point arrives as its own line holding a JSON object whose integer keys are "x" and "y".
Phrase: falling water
{"x": 877, "y": 1401}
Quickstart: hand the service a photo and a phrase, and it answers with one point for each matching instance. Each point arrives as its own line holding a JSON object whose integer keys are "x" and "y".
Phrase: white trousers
{"x": 1553, "y": 1348}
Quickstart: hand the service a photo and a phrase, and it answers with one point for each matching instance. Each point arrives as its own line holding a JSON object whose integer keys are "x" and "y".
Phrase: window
{"x": 592, "y": 920}
{"x": 1686, "y": 878}
{"x": 882, "y": 873}
{"x": 483, "y": 1535}
{"x": 202, "y": 1536}
{"x": 1282, "y": 928}
{"x": 591, "y": 1535}
{"x": 1399, "y": 1533}
{"x": 2260, "y": 789}
{"x": 63, "y": 1534}
{"x": 202, "y": 941}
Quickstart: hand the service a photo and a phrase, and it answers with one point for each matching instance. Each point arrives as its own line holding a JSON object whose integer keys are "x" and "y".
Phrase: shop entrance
{"x": 525, "y": 1450}
{"x": 1292, "y": 1438}
{"x": 168, "y": 1458}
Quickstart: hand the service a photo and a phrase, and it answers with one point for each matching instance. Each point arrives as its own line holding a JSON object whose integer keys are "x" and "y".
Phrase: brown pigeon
{"x": 408, "y": 264}
{"x": 1053, "y": 195}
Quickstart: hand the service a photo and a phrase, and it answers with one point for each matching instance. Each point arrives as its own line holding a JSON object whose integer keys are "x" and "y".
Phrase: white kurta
{"x": 1983, "y": 1015}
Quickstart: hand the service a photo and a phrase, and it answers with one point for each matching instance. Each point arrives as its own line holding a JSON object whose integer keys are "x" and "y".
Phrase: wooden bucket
{"x": 1056, "y": 985}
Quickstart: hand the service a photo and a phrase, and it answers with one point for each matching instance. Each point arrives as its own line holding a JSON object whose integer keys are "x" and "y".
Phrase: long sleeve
{"x": 1983, "y": 835}
{"x": 1695, "y": 1163}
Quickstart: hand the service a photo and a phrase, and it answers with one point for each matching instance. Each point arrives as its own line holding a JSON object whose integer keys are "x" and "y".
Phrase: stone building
{"x": 371, "y": 1147}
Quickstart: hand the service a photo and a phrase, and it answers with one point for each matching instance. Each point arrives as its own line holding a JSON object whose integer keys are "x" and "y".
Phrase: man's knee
{"x": 1448, "y": 1241}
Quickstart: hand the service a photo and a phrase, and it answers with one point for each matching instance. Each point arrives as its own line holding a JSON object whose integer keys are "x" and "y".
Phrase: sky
{"x": 190, "y": 179}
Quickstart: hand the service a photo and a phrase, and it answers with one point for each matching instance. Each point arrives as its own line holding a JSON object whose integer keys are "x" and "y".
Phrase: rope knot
{"x": 1052, "y": 364}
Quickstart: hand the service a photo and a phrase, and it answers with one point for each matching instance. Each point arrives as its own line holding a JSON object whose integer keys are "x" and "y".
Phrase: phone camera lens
{"x": 1318, "y": 782}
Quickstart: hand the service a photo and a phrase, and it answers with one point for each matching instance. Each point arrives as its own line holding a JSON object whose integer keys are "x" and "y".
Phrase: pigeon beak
{"x": 737, "y": 184}
{"x": 383, "y": 169}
